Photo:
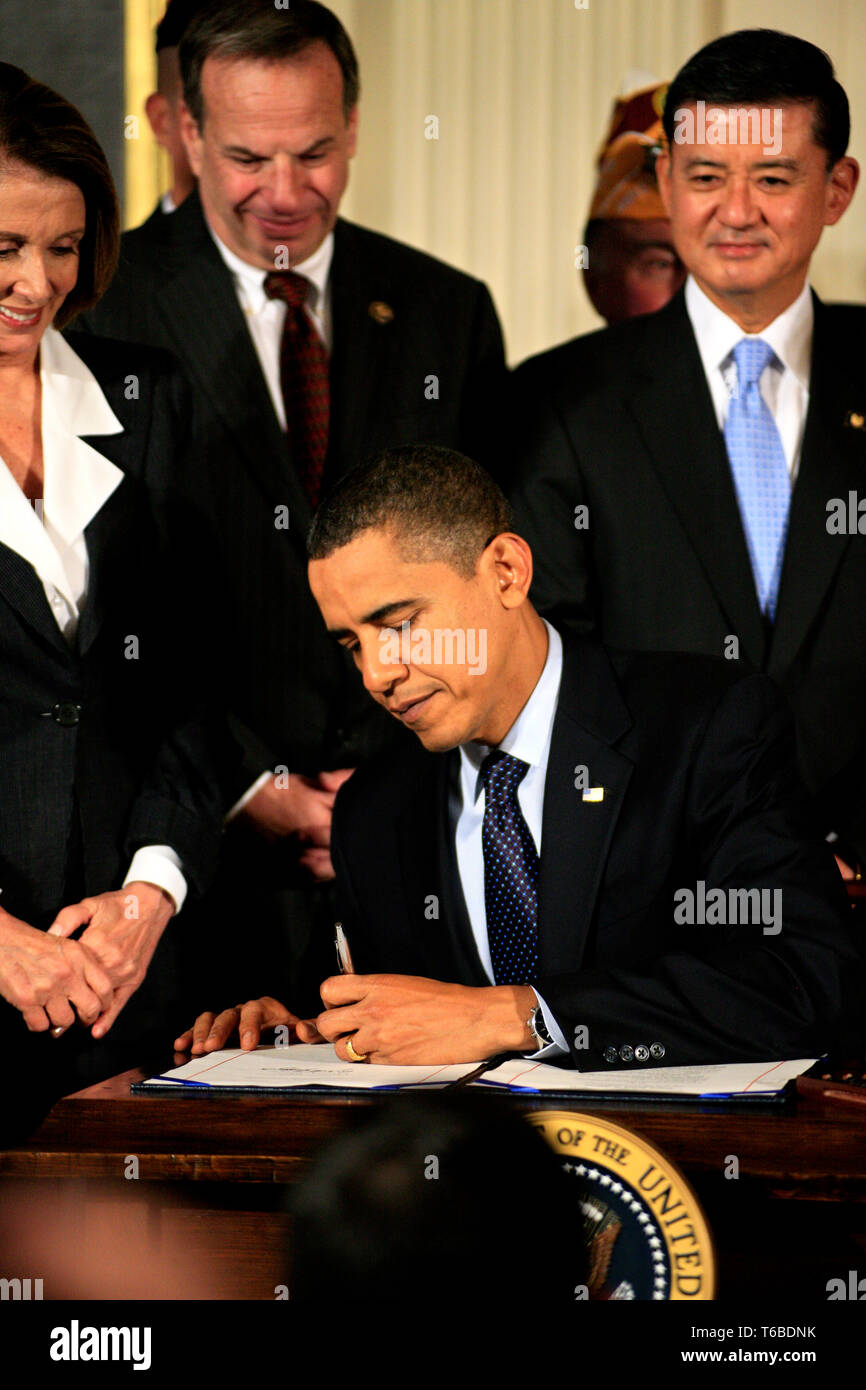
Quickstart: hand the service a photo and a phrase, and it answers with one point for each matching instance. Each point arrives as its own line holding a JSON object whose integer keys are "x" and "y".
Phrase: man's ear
{"x": 352, "y": 127}
{"x": 663, "y": 178}
{"x": 841, "y": 186}
{"x": 511, "y": 560}
{"x": 191, "y": 136}
{"x": 156, "y": 110}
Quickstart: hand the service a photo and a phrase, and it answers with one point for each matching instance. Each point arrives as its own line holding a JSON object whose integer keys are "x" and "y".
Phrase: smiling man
{"x": 677, "y": 473}
{"x": 510, "y": 883}
{"x": 310, "y": 343}
{"x": 748, "y": 216}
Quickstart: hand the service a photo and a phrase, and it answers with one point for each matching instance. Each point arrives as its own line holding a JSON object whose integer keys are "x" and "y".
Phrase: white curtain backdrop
{"x": 521, "y": 92}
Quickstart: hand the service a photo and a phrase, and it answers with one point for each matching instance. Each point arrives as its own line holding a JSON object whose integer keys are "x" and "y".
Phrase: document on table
{"x": 298, "y": 1065}
{"x": 724, "y": 1081}
{"x": 304, "y": 1065}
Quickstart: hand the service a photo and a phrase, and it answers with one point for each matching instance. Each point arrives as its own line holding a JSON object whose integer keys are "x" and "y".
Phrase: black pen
{"x": 473, "y": 1075}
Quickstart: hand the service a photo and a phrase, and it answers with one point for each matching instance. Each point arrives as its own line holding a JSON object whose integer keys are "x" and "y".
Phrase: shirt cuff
{"x": 559, "y": 1047}
{"x": 248, "y": 795}
{"x": 158, "y": 864}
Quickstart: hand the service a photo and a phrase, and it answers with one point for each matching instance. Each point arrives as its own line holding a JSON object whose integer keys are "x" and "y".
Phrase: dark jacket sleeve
{"x": 736, "y": 992}
{"x": 366, "y": 958}
{"x": 182, "y": 798}
{"x": 484, "y": 424}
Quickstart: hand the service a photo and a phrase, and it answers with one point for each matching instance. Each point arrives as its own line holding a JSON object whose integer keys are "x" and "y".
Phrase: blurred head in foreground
{"x": 437, "y": 1196}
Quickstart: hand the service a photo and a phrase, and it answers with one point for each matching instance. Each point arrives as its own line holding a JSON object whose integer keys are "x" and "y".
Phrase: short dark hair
{"x": 439, "y": 505}
{"x": 41, "y": 130}
{"x": 760, "y": 67}
{"x": 178, "y": 13}
{"x": 256, "y": 29}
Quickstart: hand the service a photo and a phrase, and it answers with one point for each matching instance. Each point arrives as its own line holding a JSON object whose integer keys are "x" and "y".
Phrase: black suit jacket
{"x": 622, "y": 422}
{"x": 296, "y": 698}
{"x": 102, "y": 752}
{"x": 697, "y": 770}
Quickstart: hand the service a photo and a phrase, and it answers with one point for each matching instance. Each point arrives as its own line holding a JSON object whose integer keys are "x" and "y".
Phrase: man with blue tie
{"x": 680, "y": 475}
{"x": 563, "y": 863}
{"x": 309, "y": 343}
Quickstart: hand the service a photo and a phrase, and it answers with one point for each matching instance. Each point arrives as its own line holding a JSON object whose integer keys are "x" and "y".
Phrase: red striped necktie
{"x": 304, "y": 379}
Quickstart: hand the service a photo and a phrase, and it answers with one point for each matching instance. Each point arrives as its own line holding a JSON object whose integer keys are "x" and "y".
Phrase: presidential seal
{"x": 646, "y": 1235}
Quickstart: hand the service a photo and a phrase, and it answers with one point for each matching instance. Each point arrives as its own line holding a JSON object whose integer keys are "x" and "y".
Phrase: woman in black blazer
{"x": 109, "y": 809}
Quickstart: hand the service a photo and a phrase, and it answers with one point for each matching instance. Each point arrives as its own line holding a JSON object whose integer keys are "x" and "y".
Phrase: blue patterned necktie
{"x": 510, "y": 873}
{"x": 759, "y": 470}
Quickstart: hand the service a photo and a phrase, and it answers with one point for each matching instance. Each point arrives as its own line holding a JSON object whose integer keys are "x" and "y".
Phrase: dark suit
{"x": 622, "y": 422}
{"x": 294, "y": 696}
{"x": 697, "y": 770}
{"x": 102, "y": 752}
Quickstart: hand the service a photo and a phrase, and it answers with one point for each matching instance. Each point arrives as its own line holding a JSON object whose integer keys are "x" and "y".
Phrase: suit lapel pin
{"x": 380, "y": 312}
{"x": 593, "y": 794}
{"x": 855, "y": 421}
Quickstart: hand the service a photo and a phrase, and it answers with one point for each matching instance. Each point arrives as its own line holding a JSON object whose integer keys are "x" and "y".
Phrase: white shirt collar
{"x": 789, "y": 335}
{"x": 73, "y": 391}
{"x": 316, "y": 268}
{"x": 529, "y": 736}
{"x": 78, "y": 480}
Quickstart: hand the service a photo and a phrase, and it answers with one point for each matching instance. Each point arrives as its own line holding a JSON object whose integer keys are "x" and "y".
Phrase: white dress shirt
{"x": 265, "y": 318}
{"x": 784, "y": 388}
{"x": 78, "y": 481}
{"x": 785, "y": 391}
{"x": 529, "y": 740}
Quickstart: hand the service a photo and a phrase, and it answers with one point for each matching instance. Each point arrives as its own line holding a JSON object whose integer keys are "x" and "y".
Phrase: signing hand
{"x": 407, "y": 1020}
{"x": 212, "y": 1031}
{"x": 302, "y": 808}
{"x": 45, "y": 978}
{"x": 123, "y": 928}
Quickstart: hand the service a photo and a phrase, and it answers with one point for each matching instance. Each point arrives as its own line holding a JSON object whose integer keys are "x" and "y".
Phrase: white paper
{"x": 726, "y": 1079}
{"x": 303, "y": 1064}
{"x": 315, "y": 1064}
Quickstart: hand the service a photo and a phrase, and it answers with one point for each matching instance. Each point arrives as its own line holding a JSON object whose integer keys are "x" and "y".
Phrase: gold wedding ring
{"x": 353, "y": 1055}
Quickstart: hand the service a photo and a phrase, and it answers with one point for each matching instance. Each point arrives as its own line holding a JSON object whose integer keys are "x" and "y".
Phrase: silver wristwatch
{"x": 537, "y": 1027}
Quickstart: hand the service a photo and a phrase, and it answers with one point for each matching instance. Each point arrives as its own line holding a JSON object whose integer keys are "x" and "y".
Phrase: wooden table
{"x": 211, "y": 1174}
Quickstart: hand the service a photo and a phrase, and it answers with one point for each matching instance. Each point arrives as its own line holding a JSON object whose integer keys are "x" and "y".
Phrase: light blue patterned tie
{"x": 759, "y": 470}
{"x": 510, "y": 873}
